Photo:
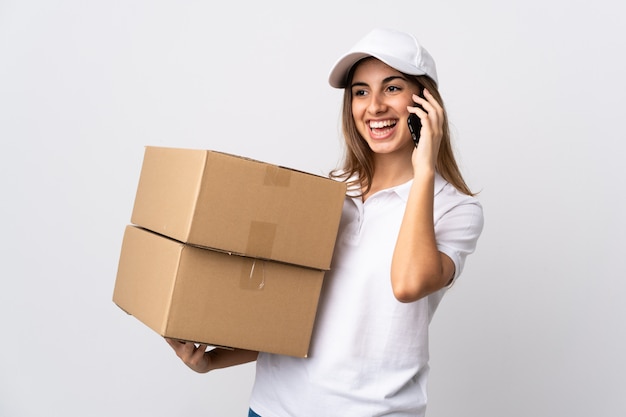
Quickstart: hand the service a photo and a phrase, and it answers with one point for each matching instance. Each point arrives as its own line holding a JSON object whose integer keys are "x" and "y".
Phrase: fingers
{"x": 195, "y": 357}
{"x": 429, "y": 105}
{"x": 172, "y": 342}
{"x": 432, "y": 117}
{"x": 187, "y": 351}
{"x": 431, "y": 113}
{"x": 178, "y": 345}
{"x": 198, "y": 352}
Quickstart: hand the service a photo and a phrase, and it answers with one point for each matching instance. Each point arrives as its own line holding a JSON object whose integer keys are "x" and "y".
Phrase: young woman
{"x": 408, "y": 223}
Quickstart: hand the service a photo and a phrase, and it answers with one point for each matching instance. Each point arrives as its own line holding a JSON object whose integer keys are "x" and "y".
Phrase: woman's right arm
{"x": 200, "y": 360}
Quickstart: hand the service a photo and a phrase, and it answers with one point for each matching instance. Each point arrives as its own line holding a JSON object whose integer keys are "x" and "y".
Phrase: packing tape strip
{"x": 252, "y": 274}
{"x": 261, "y": 236}
{"x": 276, "y": 176}
{"x": 260, "y": 244}
{"x": 261, "y": 239}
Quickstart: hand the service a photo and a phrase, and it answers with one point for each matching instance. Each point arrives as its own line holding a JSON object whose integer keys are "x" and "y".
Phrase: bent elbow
{"x": 405, "y": 296}
{"x": 410, "y": 289}
{"x": 408, "y": 293}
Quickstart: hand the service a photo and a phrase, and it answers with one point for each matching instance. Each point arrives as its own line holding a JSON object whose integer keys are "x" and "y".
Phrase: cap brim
{"x": 339, "y": 73}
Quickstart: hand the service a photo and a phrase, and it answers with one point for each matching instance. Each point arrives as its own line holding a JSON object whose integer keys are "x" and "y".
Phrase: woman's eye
{"x": 358, "y": 93}
{"x": 393, "y": 88}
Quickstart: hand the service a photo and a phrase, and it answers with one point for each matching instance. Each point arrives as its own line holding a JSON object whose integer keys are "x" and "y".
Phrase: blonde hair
{"x": 358, "y": 163}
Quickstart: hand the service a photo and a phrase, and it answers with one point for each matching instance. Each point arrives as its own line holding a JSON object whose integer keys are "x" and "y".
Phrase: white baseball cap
{"x": 399, "y": 50}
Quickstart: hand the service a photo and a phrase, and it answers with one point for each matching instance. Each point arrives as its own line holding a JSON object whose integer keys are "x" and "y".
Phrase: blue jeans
{"x": 252, "y": 413}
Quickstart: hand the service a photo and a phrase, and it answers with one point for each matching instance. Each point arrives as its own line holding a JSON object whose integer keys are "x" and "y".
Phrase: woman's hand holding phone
{"x": 431, "y": 117}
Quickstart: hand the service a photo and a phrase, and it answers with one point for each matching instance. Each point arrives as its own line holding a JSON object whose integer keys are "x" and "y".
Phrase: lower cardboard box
{"x": 205, "y": 296}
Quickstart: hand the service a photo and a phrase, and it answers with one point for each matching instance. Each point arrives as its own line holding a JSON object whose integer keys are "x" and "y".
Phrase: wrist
{"x": 424, "y": 174}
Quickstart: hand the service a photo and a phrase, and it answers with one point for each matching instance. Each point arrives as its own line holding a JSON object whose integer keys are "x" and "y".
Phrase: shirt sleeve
{"x": 457, "y": 231}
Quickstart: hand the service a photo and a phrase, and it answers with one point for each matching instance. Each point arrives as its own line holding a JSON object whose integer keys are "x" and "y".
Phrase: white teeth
{"x": 381, "y": 124}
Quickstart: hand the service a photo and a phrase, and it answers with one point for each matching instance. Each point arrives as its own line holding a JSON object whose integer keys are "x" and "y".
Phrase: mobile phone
{"x": 415, "y": 124}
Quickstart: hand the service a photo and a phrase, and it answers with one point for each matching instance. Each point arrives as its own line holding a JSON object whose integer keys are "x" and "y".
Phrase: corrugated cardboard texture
{"x": 238, "y": 205}
{"x": 200, "y": 295}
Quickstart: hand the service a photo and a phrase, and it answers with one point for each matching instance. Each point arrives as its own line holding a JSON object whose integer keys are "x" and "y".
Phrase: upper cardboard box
{"x": 234, "y": 204}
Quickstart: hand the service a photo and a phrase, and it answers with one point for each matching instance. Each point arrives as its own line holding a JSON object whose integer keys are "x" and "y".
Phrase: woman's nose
{"x": 376, "y": 104}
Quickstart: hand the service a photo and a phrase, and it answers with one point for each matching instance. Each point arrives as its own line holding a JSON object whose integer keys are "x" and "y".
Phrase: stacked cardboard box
{"x": 227, "y": 250}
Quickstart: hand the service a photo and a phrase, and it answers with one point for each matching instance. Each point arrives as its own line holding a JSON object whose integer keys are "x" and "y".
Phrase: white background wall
{"x": 535, "y": 90}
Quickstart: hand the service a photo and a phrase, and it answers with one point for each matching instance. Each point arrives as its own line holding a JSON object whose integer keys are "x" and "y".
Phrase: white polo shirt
{"x": 369, "y": 352}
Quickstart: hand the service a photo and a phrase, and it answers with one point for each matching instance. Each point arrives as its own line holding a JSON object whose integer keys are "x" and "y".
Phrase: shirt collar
{"x": 402, "y": 190}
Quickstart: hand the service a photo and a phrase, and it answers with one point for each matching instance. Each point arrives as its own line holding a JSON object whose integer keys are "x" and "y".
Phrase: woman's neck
{"x": 389, "y": 171}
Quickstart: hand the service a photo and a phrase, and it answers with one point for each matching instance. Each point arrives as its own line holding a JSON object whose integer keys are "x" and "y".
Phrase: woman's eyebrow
{"x": 359, "y": 84}
{"x": 385, "y": 81}
{"x": 393, "y": 77}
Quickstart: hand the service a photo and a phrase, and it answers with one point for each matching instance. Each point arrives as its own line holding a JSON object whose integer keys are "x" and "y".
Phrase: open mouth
{"x": 382, "y": 127}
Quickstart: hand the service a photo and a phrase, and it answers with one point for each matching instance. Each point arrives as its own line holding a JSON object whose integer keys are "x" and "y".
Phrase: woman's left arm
{"x": 418, "y": 268}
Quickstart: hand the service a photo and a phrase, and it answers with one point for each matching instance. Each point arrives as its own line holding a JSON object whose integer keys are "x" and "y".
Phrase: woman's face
{"x": 380, "y": 96}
